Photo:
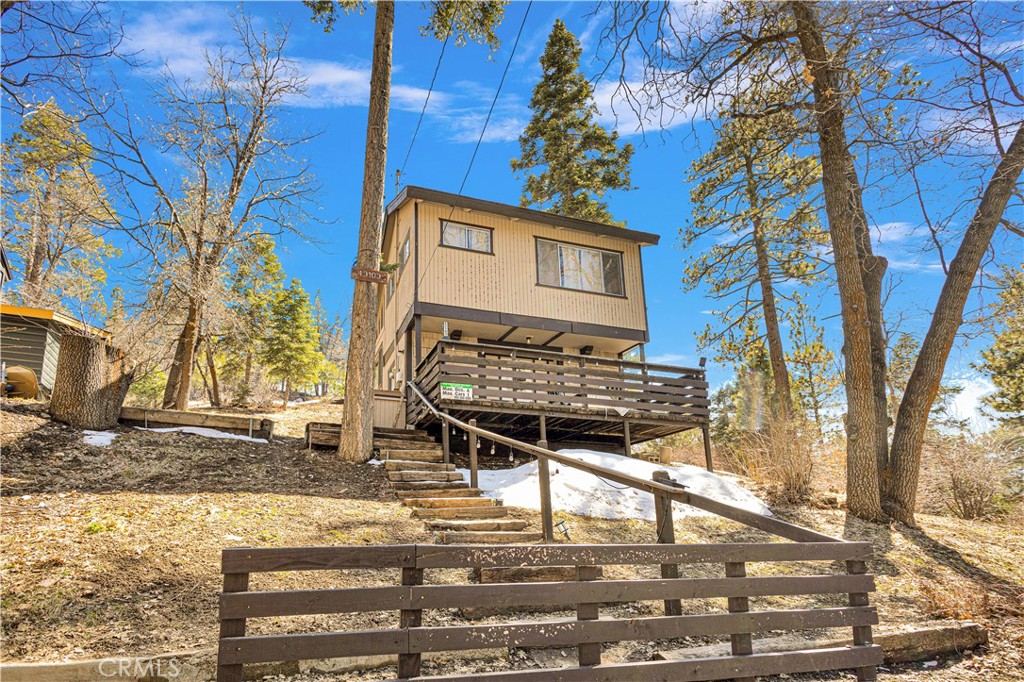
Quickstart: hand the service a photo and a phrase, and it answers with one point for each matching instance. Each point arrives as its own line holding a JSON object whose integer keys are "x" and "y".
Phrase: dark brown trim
{"x": 548, "y": 342}
{"x": 536, "y": 262}
{"x": 510, "y": 331}
{"x": 530, "y": 346}
{"x": 543, "y": 217}
{"x": 509, "y": 319}
{"x": 440, "y": 240}
{"x": 643, "y": 285}
{"x": 416, "y": 252}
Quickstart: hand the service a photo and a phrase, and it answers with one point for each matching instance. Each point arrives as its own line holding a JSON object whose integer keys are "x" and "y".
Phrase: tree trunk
{"x": 211, "y": 366}
{"x": 287, "y": 393}
{"x": 912, "y": 418}
{"x": 91, "y": 382}
{"x": 357, "y": 418}
{"x": 179, "y": 377}
{"x": 845, "y": 211}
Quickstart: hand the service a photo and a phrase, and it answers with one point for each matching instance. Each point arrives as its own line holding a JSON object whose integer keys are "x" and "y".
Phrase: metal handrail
{"x": 674, "y": 492}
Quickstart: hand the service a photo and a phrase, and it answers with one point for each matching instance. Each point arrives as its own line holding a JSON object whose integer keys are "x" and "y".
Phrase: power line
{"x": 423, "y": 111}
{"x": 495, "y": 100}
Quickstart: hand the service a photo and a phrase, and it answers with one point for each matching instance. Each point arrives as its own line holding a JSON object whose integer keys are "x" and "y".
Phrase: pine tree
{"x": 580, "y": 159}
{"x": 54, "y": 213}
{"x": 1004, "y": 361}
{"x": 816, "y": 380}
{"x": 290, "y": 348}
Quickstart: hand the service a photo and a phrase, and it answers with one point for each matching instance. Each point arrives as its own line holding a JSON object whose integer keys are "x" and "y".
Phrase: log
{"x": 91, "y": 382}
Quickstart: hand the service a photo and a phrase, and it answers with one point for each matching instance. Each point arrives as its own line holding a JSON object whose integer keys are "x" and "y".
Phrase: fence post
{"x": 544, "y": 477}
{"x": 232, "y": 627}
{"x": 589, "y": 654}
{"x": 665, "y": 525}
{"x": 742, "y": 644}
{"x": 445, "y": 441}
{"x": 861, "y": 633}
{"x": 707, "y": 447}
{"x": 409, "y": 664}
{"x": 627, "y": 442}
{"x": 472, "y": 457}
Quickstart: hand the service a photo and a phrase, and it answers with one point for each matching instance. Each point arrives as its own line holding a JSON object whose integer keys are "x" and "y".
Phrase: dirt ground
{"x": 115, "y": 550}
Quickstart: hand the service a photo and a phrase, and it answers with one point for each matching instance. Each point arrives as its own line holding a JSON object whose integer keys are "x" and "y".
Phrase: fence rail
{"x": 587, "y": 631}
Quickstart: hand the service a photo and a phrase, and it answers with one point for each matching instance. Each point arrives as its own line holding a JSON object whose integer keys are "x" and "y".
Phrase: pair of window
{"x": 566, "y": 266}
{"x": 403, "y": 258}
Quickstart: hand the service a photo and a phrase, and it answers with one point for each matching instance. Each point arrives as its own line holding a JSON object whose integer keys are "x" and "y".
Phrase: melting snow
{"x": 582, "y": 493}
{"x": 100, "y": 439}
{"x": 208, "y": 433}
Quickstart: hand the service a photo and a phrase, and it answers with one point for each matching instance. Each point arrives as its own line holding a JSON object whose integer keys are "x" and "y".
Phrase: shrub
{"x": 778, "y": 456}
{"x": 969, "y": 477}
{"x": 147, "y": 390}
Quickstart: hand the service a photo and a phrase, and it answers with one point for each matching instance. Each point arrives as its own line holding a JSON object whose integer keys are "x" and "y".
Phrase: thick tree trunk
{"x": 91, "y": 382}
{"x": 845, "y": 211}
{"x": 357, "y": 418}
{"x": 179, "y": 377}
{"x": 912, "y": 418}
{"x": 872, "y": 272}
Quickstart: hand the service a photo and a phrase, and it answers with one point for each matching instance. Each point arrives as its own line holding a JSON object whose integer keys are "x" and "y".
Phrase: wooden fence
{"x": 153, "y": 418}
{"x": 587, "y": 631}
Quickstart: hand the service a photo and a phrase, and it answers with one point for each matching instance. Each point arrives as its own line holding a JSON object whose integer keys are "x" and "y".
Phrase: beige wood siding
{"x": 507, "y": 281}
{"x": 392, "y": 312}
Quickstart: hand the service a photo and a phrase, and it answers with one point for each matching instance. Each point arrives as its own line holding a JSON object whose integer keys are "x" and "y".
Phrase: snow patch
{"x": 375, "y": 462}
{"x": 100, "y": 439}
{"x": 205, "y": 432}
{"x": 579, "y": 492}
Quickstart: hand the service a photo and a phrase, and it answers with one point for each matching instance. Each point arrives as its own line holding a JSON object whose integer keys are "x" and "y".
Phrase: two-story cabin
{"x": 502, "y": 314}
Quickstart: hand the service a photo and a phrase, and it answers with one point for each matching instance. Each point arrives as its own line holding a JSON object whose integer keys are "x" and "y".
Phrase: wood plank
{"x": 261, "y": 428}
{"x": 267, "y": 559}
{"x": 515, "y": 393}
{"x": 232, "y": 627}
{"x": 573, "y": 632}
{"x": 268, "y": 648}
{"x": 314, "y": 602}
{"x": 693, "y": 670}
{"x": 454, "y": 556}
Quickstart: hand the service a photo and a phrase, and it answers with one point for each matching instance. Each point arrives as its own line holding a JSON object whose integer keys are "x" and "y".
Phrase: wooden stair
{"x": 439, "y": 495}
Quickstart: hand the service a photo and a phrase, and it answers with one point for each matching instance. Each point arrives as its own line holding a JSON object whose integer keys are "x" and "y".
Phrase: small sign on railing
{"x": 456, "y": 391}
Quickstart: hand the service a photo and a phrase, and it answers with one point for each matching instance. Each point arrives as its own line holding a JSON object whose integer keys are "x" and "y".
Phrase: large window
{"x": 403, "y": 256}
{"x": 577, "y": 267}
{"x": 459, "y": 236}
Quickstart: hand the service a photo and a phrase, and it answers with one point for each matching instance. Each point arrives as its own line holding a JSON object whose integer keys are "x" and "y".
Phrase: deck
{"x": 584, "y": 399}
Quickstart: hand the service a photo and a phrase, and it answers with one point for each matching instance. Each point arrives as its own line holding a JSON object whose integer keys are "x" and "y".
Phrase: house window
{"x": 459, "y": 236}
{"x": 577, "y": 267}
{"x": 403, "y": 256}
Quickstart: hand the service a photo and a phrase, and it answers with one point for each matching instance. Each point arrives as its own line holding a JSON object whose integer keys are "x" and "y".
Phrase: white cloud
{"x": 967, "y": 404}
{"x": 892, "y": 232}
{"x": 671, "y": 359}
{"x": 918, "y": 265}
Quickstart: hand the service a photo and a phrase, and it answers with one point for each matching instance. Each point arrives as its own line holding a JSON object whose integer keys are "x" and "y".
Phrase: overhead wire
{"x": 401, "y": 171}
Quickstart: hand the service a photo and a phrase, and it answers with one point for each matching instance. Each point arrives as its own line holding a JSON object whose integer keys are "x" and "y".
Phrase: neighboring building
{"x": 31, "y": 337}
{"x": 5, "y": 267}
{"x": 539, "y": 310}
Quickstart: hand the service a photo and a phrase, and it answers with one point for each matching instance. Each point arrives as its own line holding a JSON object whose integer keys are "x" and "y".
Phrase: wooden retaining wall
{"x": 245, "y": 426}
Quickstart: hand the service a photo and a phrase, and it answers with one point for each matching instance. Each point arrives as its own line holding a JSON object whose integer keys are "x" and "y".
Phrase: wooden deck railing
{"x": 541, "y": 380}
{"x": 587, "y": 631}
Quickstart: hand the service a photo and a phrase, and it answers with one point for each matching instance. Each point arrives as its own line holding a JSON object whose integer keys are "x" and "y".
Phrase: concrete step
{"x": 419, "y": 488}
{"x": 455, "y": 537}
{"x": 413, "y": 465}
{"x": 495, "y": 512}
{"x": 460, "y": 491}
{"x": 424, "y": 476}
{"x": 412, "y": 455}
{"x": 449, "y": 502}
{"x": 481, "y": 524}
{"x": 404, "y": 444}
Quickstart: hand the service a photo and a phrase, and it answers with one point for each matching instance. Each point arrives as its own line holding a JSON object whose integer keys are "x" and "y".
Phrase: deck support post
{"x": 473, "y": 478}
{"x": 743, "y": 643}
{"x": 665, "y": 525}
{"x": 861, "y": 633}
{"x": 627, "y": 442}
{"x": 446, "y": 445}
{"x": 544, "y": 477}
{"x": 707, "y": 447}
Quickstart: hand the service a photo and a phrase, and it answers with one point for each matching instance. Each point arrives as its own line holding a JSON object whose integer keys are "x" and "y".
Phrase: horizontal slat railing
{"x": 563, "y": 381}
{"x": 411, "y": 639}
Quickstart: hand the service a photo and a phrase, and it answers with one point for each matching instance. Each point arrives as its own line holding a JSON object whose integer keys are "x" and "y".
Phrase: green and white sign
{"x": 456, "y": 391}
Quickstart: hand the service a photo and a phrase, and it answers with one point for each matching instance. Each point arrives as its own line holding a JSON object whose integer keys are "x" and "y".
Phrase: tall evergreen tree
{"x": 580, "y": 159}
{"x": 1004, "y": 361}
{"x": 816, "y": 380}
{"x": 290, "y": 349}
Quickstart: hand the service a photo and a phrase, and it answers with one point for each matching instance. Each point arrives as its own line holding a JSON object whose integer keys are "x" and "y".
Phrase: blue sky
{"x": 337, "y": 67}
